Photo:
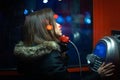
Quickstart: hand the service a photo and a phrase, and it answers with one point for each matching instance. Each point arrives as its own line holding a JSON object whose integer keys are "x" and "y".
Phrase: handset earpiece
{"x": 64, "y": 39}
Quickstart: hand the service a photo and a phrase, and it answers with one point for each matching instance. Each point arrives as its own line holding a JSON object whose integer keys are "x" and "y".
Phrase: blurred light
{"x": 32, "y": 10}
{"x": 76, "y": 35}
{"x": 45, "y": 1}
{"x": 68, "y": 19}
{"x": 59, "y": 0}
{"x": 25, "y": 11}
{"x": 55, "y": 16}
{"x": 60, "y": 20}
{"x": 87, "y": 20}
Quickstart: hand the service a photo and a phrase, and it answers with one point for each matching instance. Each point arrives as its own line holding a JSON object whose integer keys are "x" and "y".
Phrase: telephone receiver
{"x": 64, "y": 39}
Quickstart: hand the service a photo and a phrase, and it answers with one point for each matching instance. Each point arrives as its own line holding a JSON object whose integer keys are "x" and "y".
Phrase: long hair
{"x": 34, "y": 30}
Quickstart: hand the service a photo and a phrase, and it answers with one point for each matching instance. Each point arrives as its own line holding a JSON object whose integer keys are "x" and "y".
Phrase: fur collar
{"x": 46, "y": 47}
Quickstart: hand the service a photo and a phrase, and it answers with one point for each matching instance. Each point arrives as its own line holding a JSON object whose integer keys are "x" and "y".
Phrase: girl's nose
{"x": 59, "y": 26}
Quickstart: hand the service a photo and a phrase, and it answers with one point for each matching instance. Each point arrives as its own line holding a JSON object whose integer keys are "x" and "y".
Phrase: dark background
{"x": 80, "y": 32}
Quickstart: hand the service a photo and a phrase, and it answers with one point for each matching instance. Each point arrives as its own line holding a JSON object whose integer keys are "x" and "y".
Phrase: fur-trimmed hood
{"x": 45, "y": 48}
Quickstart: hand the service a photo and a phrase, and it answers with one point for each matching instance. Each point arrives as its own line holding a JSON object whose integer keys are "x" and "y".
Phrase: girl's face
{"x": 58, "y": 29}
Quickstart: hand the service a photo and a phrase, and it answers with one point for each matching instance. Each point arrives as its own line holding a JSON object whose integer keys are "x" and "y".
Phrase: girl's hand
{"x": 106, "y": 69}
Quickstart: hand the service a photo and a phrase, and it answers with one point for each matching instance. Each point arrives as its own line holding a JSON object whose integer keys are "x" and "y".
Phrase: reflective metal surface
{"x": 113, "y": 52}
{"x": 107, "y": 50}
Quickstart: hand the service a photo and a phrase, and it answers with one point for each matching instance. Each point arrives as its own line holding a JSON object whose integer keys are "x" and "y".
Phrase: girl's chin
{"x": 61, "y": 34}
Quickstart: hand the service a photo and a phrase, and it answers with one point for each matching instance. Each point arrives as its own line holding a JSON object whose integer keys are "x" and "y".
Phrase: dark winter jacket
{"x": 44, "y": 60}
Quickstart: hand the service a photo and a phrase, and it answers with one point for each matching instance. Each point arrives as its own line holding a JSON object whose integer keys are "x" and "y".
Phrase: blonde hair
{"x": 34, "y": 30}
